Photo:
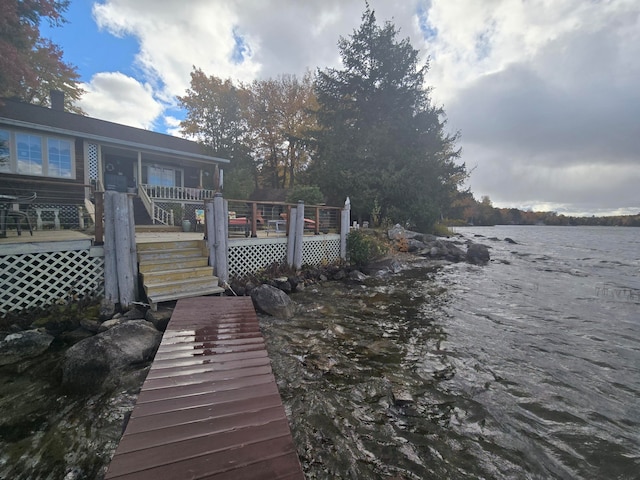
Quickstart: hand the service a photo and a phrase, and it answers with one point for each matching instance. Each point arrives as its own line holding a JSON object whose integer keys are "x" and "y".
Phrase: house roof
{"x": 25, "y": 115}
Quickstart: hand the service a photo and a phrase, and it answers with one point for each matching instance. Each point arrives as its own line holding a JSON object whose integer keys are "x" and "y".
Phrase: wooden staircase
{"x": 172, "y": 270}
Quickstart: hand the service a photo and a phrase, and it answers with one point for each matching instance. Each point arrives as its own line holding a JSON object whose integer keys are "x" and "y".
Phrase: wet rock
{"x": 272, "y": 301}
{"x": 510, "y": 240}
{"x": 401, "y": 396}
{"x": 23, "y": 345}
{"x": 477, "y": 253}
{"x": 100, "y": 361}
{"x": 444, "y": 250}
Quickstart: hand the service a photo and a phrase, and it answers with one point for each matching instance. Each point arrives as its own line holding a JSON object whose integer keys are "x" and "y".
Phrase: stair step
{"x": 155, "y": 299}
{"x": 165, "y": 276}
{"x": 175, "y": 254}
{"x": 170, "y": 245}
{"x": 188, "y": 285}
{"x": 172, "y": 264}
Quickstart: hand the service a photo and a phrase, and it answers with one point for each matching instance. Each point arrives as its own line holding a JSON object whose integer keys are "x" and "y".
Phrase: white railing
{"x": 183, "y": 194}
{"x": 157, "y": 214}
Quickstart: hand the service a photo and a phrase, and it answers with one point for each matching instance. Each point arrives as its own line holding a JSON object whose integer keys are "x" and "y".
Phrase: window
{"x": 5, "y": 151}
{"x": 59, "y": 157}
{"x": 166, "y": 177}
{"x": 30, "y": 154}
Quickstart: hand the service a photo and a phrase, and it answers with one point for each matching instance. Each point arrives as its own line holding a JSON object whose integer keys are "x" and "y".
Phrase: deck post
{"x": 99, "y": 225}
{"x": 110, "y": 269}
{"x": 211, "y": 231}
{"x": 291, "y": 238}
{"x": 133, "y": 248}
{"x": 126, "y": 280}
{"x": 299, "y": 235}
{"x": 220, "y": 244}
{"x": 345, "y": 221}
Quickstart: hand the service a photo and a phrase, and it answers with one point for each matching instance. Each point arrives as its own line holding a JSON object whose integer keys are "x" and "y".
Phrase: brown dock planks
{"x": 210, "y": 407}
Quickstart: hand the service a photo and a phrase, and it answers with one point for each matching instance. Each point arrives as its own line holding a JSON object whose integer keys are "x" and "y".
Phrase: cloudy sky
{"x": 545, "y": 93}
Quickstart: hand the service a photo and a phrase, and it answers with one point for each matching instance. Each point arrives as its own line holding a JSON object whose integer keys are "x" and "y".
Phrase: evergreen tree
{"x": 380, "y": 140}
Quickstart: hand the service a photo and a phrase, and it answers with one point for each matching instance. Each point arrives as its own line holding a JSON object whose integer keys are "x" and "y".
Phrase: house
{"x": 65, "y": 157}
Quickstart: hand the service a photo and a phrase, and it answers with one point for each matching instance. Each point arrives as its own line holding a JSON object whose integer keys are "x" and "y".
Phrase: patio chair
{"x": 19, "y": 215}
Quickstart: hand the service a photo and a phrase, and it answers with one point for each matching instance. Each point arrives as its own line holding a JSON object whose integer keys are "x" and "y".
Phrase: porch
{"x": 59, "y": 266}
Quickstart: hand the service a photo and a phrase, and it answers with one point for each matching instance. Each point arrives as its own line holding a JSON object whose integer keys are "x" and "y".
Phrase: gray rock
{"x": 398, "y": 232}
{"x": 134, "y": 314}
{"x": 510, "y": 240}
{"x": 357, "y": 276}
{"x": 107, "y": 309}
{"x": 395, "y": 266}
{"x": 283, "y": 284}
{"x": 90, "y": 324}
{"x": 273, "y": 301}
{"x": 339, "y": 275}
{"x": 477, "y": 253}
{"x": 100, "y": 361}
{"x": 160, "y": 318}
{"x": 23, "y": 345}
{"x": 114, "y": 322}
{"x": 415, "y": 245}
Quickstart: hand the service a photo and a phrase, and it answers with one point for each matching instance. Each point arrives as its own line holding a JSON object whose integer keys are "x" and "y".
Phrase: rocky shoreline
{"x": 104, "y": 354}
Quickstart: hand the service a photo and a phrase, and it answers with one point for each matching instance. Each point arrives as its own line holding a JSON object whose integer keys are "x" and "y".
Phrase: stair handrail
{"x": 156, "y": 213}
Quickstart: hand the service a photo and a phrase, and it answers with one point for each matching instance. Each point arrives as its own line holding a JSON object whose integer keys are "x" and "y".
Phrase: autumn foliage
{"x": 31, "y": 65}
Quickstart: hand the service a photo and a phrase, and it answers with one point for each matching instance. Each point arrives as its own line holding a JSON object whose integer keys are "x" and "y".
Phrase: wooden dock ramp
{"x": 210, "y": 407}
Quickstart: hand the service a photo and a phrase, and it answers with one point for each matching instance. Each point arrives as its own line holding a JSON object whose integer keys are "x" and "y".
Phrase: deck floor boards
{"x": 210, "y": 407}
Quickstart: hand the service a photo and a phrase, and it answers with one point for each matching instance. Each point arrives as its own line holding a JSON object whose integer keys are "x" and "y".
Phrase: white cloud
{"x": 118, "y": 98}
{"x": 544, "y": 91}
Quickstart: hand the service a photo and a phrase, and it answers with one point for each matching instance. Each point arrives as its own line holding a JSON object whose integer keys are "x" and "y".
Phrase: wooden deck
{"x": 210, "y": 407}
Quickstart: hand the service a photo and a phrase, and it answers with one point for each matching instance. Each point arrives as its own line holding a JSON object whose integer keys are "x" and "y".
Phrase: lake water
{"x": 525, "y": 368}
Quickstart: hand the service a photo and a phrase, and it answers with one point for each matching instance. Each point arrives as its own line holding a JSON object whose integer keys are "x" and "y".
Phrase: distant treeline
{"x": 470, "y": 211}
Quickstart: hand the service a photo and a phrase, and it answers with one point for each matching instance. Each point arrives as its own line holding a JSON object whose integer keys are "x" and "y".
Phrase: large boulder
{"x": 23, "y": 345}
{"x": 272, "y": 301}
{"x": 100, "y": 361}
{"x": 445, "y": 250}
{"x": 477, "y": 253}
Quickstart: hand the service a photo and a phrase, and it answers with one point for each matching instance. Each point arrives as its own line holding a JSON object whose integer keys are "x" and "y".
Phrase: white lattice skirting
{"x": 248, "y": 256}
{"x": 42, "y": 278}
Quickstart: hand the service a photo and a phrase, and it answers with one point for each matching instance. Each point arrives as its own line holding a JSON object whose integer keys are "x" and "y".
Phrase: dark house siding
{"x": 49, "y": 190}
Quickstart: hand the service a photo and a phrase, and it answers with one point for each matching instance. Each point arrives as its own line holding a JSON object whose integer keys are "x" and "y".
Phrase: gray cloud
{"x": 545, "y": 94}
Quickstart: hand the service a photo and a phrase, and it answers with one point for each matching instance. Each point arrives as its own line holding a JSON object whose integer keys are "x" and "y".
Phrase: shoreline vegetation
{"x": 482, "y": 214}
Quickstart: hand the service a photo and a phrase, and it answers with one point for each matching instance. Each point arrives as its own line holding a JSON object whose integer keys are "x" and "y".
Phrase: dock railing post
{"x": 345, "y": 221}
{"x": 209, "y": 224}
{"x": 126, "y": 280}
{"x": 299, "y": 234}
{"x": 133, "y": 248}
{"x": 291, "y": 238}
{"x": 220, "y": 244}
{"x": 110, "y": 269}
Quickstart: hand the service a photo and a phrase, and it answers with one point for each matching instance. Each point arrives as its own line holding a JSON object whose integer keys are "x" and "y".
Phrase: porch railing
{"x": 183, "y": 194}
